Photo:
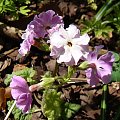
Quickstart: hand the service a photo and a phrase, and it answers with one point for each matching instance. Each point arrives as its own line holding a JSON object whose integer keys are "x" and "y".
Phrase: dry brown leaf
{"x": 51, "y": 65}
{"x": 18, "y": 67}
{"x": 4, "y": 64}
{"x": 4, "y": 94}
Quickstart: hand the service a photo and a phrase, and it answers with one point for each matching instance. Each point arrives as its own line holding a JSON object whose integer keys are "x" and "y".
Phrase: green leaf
{"x": 102, "y": 29}
{"x": 88, "y": 26}
{"x": 70, "y": 109}
{"x": 117, "y": 56}
{"x": 26, "y": 73}
{"x": 54, "y": 108}
{"x": 116, "y": 68}
{"x": 93, "y": 6}
{"x": 102, "y": 10}
{"x": 115, "y": 76}
{"x": 9, "y": 6}
{"x": 51, "y": 104}
{"x": 24, "y": 10}
{"x": 1, "y": 5}
{"x": 27, "y": 2}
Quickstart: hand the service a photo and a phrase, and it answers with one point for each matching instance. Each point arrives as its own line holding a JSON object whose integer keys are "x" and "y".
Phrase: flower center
{"x": 101, "y": 67}
{"x": 69, "y": 44}
{"x": 47, "y": 27}
{"x": 92, "y": 65}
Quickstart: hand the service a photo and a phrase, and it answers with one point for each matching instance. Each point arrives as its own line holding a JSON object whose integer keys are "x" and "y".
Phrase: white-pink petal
{"x": 66, "y": 56}
{"x": 72, "y": 31}
{"x": 57, "y": 40}
{"x": 76, "y": 53}
{"x": 82, "y": 40}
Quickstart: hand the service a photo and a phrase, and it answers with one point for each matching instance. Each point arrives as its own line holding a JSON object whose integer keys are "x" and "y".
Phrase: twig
{"x": 78, "y": 79}
{"x": 9, "y": 112}
{"x": 38, "y": 101}
{"x": 8, "y": 52}
{"x": 37, "y": 110}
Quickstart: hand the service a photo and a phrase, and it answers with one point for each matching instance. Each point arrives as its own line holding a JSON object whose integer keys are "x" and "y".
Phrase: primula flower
{"x": 28, "y": 37}
{"x": 21, "y": 93}
{"x": 100, "y": 68}
{"x": 67, "y": 45}
{"x": 43, "y": 24}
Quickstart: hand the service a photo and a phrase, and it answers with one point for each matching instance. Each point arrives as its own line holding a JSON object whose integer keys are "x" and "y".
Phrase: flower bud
{"x": 84, "y": 65}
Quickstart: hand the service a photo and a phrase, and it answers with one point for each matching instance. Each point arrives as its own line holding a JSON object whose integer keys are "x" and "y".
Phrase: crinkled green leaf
{"x": 102, "y": 30}
{"x": 26, "y": 73}
{"x": 51, "y": 104}
{"x": 70, "y": 109}
{"x": 54, "y": 108}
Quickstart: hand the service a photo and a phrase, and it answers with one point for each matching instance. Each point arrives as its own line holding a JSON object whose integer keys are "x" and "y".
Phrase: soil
{"x": 78, "y": 92}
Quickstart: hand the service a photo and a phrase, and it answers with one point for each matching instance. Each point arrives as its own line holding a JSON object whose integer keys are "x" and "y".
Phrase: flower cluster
{"x": 68, "y": 46}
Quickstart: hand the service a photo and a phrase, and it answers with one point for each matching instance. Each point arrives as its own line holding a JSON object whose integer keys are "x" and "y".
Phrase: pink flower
{"x": 43, "y": 24}
{"x": 100, "y": 68}
{"x": 67, "y": 45}
{"x": 20, "y": 92}
{"x": 28, "y": 37}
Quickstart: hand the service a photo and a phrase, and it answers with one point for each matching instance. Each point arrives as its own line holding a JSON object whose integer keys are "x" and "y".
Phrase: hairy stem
{"x": 9, "y": 112}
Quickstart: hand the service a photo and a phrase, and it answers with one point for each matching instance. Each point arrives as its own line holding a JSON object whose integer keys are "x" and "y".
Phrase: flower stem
{"x": 38, "y": 101}
{"x": 56, "y": 69}
{"x": 103, "y": 103}
{"x": 71, "y": 71}
{"x": 78, "y": 79}
{"x": 9, "y": 112}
